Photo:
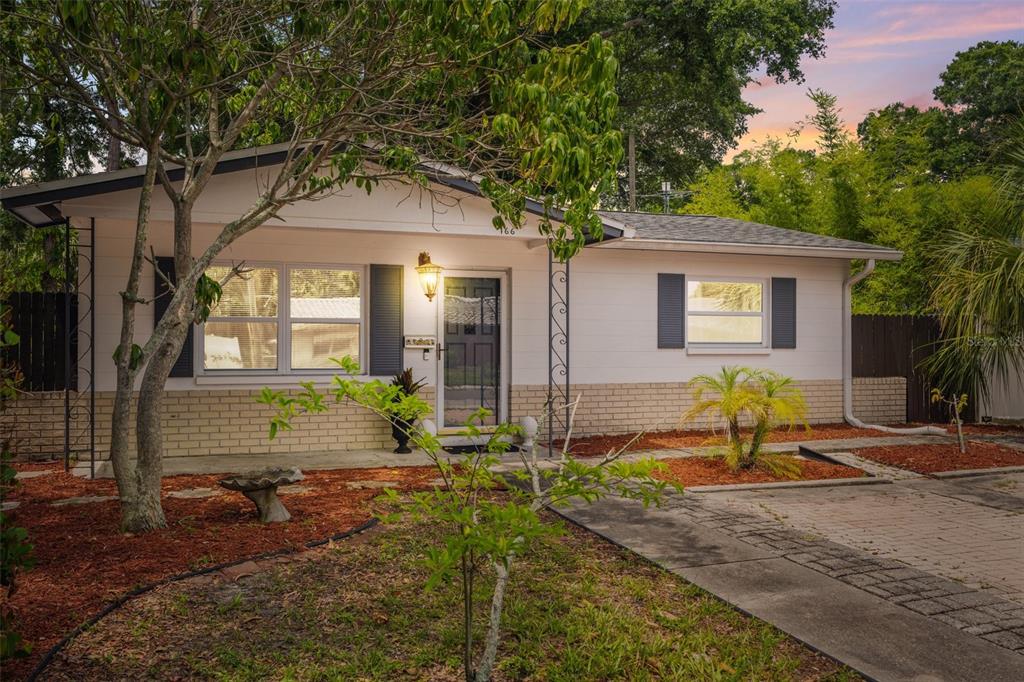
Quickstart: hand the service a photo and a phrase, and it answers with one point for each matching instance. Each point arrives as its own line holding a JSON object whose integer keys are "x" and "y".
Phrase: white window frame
{"x": 284, "y": 322}
{"x": 764, "y": 314}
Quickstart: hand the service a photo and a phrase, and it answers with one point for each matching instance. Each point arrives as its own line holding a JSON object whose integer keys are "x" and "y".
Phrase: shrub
{"x": 15, "y": 550}
{"x": 761, "y": 398}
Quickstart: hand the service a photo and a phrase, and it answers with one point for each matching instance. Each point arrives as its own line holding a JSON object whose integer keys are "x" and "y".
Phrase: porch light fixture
{"x": 430, "y": 275}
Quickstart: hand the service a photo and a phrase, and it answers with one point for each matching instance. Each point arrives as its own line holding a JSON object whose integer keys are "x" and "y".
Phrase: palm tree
{"x": 766, "y": 399}
{"x": 979, "y": 292}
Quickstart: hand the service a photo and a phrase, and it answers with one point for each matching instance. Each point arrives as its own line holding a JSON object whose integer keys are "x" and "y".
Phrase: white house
{"x": 660, "y": 299}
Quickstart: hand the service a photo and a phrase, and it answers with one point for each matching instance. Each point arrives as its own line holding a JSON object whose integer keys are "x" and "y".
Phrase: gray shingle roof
{"x": 703, "y": 228}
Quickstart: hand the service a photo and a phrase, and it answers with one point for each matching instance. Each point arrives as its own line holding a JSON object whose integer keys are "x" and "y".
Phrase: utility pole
{"x": 666, "y": 192}
{"x": 632, "y": 171}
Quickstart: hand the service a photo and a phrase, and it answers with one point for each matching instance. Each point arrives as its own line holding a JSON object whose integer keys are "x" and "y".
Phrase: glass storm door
{"x": 471, "y": 363}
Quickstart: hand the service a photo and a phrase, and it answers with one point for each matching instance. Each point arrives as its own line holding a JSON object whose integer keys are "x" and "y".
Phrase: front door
{"x": 472, "y": 313}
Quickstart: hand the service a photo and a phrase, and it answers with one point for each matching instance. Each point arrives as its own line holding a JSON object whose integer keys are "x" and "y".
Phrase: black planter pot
{"x": 400, "y": 432}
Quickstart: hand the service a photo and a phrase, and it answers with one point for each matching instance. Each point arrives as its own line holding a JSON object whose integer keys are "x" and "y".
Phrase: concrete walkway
{"x": 306, "y": 461}
{"x": 815, "y": 589}
{"x": 364, "y": 459}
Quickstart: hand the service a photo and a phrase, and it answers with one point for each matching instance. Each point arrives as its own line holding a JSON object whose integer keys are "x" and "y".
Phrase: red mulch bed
{"x": 927, "y": 459}
{"x": 668, "y": 440}
{"x": 83, "y": 561}
{"x": 991, "y": 430}
{"x": 689, "y": 471}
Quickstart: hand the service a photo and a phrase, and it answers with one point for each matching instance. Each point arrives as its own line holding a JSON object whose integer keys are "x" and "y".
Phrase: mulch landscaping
{"x": 691, "y": 471}
{"x": 578, "y": 608}
{"x": 928, "y": 459}
{"x": 83, "y": 561}
{"x": 671, "y": 440}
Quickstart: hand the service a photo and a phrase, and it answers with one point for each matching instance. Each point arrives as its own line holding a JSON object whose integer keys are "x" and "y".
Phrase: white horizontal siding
{"x": 613, "y": 297}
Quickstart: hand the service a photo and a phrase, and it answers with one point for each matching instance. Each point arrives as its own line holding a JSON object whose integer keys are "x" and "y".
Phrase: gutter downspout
{"x": 848, "y": 363}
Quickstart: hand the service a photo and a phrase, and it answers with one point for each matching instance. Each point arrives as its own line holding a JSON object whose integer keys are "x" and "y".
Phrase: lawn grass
{"x": 578, "y": 609}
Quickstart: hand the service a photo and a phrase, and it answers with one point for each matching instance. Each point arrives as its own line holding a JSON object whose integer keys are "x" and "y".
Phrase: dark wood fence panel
{"x": 38, "y": 318}
{"x": 895, "y": 346}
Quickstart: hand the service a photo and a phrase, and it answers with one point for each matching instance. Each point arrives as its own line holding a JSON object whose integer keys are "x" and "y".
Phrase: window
{"x": 324, "y": 316}
{"x": 250, "y": 329}
{"x": 725, "y": 312}
{"x": 241, "y": 332}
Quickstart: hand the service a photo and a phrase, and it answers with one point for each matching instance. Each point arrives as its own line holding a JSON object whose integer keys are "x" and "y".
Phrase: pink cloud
{"x": 880, "y": 52}
{"x": 939, "y": 22}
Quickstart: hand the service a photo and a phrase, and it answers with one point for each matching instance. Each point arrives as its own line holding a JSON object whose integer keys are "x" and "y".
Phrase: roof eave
{"x": 641, "y": 244}
{"x": 23, "y": 201}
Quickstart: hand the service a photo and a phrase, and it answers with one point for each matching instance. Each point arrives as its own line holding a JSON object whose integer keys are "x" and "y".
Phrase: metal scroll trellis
{"x": 80, "y": 403}
{"x": 557, "y": 403}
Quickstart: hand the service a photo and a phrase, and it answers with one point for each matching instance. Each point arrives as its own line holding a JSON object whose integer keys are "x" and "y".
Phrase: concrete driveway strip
{"x": 881, "y": 640}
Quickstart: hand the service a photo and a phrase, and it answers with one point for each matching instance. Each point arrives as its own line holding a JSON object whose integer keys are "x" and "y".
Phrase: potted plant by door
{"x": 400, "y": 427}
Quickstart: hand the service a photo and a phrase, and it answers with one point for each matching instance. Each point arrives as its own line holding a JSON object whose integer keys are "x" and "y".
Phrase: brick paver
{"x": 821, "y": 529}
{"x": 916, "y": 522}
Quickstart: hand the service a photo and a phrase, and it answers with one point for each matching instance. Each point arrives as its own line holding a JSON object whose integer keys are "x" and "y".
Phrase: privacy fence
{"x": 895, "y": 346}
{"x": 43, "y": 324}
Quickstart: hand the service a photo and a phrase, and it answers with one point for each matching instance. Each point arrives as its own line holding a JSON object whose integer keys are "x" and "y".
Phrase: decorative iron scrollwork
{"x": 80, "y": 403}
{"x": 557, "y": 403}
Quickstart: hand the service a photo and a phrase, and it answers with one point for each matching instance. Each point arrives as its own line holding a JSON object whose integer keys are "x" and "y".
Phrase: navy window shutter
{"x": 783, "y": 312}
{"x": 671, "y": 310}
{"x": 386, "y": 325}
{"x": 183, "y": 366}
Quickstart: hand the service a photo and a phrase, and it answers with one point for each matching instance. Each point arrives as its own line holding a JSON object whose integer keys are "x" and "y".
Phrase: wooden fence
{"x": 894, "y": 346}
{"x": 39, "y": 319}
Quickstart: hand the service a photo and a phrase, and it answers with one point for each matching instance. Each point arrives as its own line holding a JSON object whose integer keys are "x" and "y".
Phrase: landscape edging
{"x": 139, "y": 591}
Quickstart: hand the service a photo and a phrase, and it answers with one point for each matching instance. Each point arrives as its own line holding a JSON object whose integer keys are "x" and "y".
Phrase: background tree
{"x": 909, "y": 176}
{"x": 43, "y": 138}
{"x": 978, "y": 265}
{"x": 683, "y": 67}
{"x": 363, "y": 92}
{"x": 983, "y": 89}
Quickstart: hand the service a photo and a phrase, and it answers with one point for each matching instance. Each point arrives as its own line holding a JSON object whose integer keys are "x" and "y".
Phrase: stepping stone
{"x": 242, "y": 570}
{"x": 85, "y": 499}
{"x": 6, "y": 506}
{"x": 293, "y": 489}
{"x": 21, "y": 475}
{"x": 194, "y": 493}
{"x": 370, "y": 485}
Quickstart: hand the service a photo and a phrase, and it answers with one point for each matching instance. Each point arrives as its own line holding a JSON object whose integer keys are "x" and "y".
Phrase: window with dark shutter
{"x": 671, "y": 310}
{"x": 783, "y": 312}
{"x": 386, "y": 328}
{"x": 183, "y": 366}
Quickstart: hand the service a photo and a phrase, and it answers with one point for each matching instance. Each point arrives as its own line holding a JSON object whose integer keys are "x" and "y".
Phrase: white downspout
{"x": 848, "y": 363}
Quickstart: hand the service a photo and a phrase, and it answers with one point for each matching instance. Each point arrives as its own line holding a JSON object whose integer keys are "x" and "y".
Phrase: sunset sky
{"x": 881, "y": 52}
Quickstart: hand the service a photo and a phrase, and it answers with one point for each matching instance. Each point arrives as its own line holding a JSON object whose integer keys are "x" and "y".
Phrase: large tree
{"x": 362, "y": 92}
{"x": 683, "y": 67}
{"x": 43, "y": 138}
{"x": 983, "y": 87}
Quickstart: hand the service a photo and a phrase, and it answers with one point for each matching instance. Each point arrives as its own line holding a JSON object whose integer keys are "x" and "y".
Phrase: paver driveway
{"x": 870, "y": 575}
{"x": 968, "y": 529}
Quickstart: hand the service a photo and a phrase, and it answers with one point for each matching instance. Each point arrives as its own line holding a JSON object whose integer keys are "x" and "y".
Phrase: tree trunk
{"x": 134, "y": 512}
{"x": 483, "y": 672}
{"x": 113, "y": 142}
{"x": 174, "y": 327}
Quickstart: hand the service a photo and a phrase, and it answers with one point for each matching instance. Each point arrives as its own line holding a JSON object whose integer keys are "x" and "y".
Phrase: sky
{"x": 880, "y": 52}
